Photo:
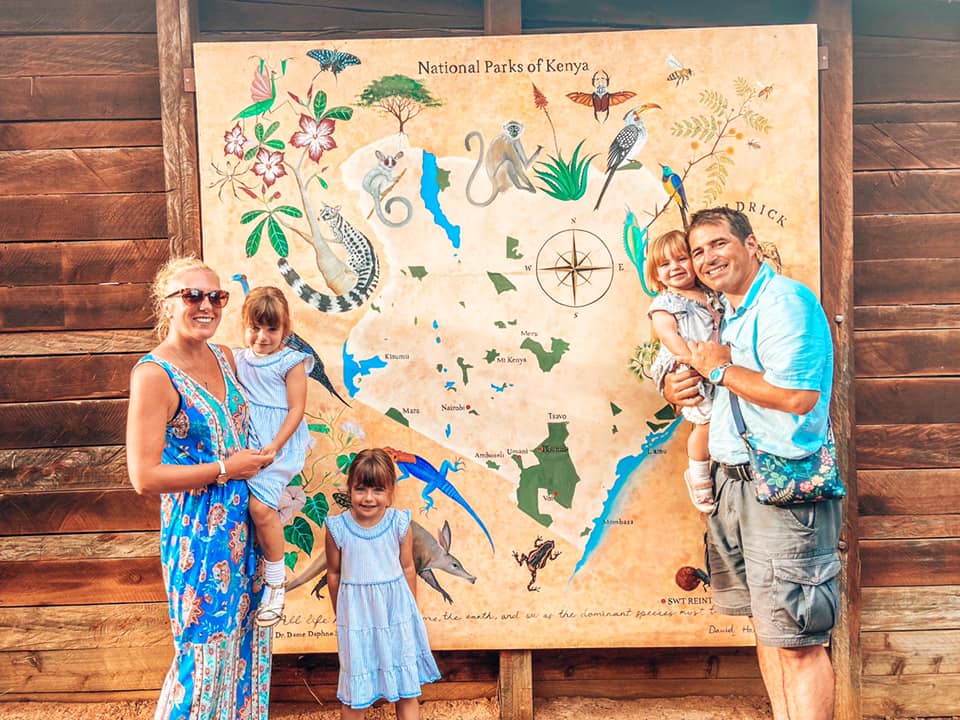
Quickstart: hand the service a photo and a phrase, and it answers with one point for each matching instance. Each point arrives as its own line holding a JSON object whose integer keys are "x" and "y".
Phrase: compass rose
{"x": 574, "y": 267}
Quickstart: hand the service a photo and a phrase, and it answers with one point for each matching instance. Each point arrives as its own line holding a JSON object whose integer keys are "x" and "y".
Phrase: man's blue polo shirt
{"x": 780, "y": 329}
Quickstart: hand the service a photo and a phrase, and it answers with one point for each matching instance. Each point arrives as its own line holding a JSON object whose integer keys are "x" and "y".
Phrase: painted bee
{"x": 680, "y": 73}
{"x": 765, "y": 91}
{"x": 754, "y": 143}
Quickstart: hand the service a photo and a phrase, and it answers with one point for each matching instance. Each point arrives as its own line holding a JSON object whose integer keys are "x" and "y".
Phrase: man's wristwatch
{"x": 222, "y": 476}
{"x": 716, "y": 375}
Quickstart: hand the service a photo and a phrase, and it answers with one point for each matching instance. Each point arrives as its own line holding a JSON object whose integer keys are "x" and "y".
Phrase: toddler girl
{"x": 275, "y": 380}
{"x": 683, "y": 311}
{"x": 382, "y": 641}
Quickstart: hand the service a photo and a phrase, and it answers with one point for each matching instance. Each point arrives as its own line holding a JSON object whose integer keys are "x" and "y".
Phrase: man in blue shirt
{"x": 777, "y": 565}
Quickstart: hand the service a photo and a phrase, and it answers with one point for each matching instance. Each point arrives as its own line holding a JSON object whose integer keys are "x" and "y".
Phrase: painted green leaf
{"x": 249, "y": 216}
{"x": 290, "y": 559}
{"x": 339, "y": 113}
{"x": 316, "y": 508}
{"x": 289, "y": 210}
{"x": 277, "y": 238}
{"x": 275, "y": 144}
{"x": 319, "y": 104}
{"x": 343, "y": 462}
{"x": 253, "y": 241}
{"x": 296, "y": 482}
{"x": 299, "y": 534}
{"x": 272, "y": 129}
{"x": 500, "y": 282}
{"x": 319, "y": 427}
{"x": 258, "y": 131}
{"x": 251, "y": 152}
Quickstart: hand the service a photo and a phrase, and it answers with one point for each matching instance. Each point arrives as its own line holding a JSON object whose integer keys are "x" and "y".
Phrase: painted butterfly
{"x": 335, "y": 60}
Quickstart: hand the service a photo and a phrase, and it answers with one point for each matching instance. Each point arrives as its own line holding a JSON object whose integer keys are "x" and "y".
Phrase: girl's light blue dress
{"x": 382, "y": 641}
{"x": 221, "y": 667}
{"x": 264, "y": 382}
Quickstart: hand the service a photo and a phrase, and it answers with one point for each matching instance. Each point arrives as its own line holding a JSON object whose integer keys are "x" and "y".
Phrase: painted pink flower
{"x": 269, "y": 166}
{"x": 317, "y": 136}
{"x": 235, "y": 141}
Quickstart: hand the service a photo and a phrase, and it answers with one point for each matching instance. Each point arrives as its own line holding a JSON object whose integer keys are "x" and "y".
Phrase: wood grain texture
{"x": 75, "y": 307}
{"x": 86, "y": 627}
{"x": 615, "y": 688}
{"x": 911, "y": 608}
{"x": 323, "y": 668}
{"x": 905, "y": 527}
{"x": 905, "y": 69}
{"x": 70, "y": 377}
{"x": 908, "y": 492}
{"x": 892, "y": 353}
{"x": 29, "y": 17}
{"x": 63, "y": 468}
{"x": 94, "y": 670}
{"x": 895, "y": 237}
{"x": 515, "y": 685}
{"x": 906, "y": 112}
{"x": 908, "y": 446}
{"x": 906, "y": 191}
{"x": 901, "y": 146}
{"x": 79, "y": 134}
{"x": 78, "y": 512}
{"x": 912, "y": 653}
{"x": 502, "y": 17}
{"x": 81, "y": 342}
{"x": 317, "y": 15}
{"x": 882, "y": 401}
{"x": 907, "y": 317}
{"x": 84, "y": 545}
{"x": 81, "y": 582}
{"x": 910, "y": 562}
{"x": 432, "y": 692}
{"x": 131, "y": 216}
{"x": 82, "y": 171}
{"x": 929, "y": 19}
{"x": 73, "y": 55}
{"x": 645, "y": 664}
{"x": 912, "y": 282}
{"x": 107, "y": 97}
{"x": 911, "y": 696}
{"x": 56, "y": 263}
{"x": 66, "y": 424}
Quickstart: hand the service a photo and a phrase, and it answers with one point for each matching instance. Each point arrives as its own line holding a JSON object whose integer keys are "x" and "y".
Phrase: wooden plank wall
{"x": 83, "y": 230}
{"x": 907, "y": 350}
{"x": 85, "y": 225}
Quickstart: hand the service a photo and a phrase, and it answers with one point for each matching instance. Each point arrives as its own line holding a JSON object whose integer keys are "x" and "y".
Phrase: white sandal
{"x": 701, "y": 494}
{"x": 270, "y": 611}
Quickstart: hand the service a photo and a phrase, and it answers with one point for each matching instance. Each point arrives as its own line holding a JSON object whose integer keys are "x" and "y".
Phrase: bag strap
{"x": 738, "y": 415}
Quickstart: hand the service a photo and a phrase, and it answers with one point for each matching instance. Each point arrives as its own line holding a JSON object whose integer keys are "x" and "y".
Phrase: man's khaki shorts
{"x": 778, "y": 564}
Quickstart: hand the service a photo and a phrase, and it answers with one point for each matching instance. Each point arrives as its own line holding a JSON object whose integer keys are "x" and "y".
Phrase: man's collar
{"x": 760, "y": 280}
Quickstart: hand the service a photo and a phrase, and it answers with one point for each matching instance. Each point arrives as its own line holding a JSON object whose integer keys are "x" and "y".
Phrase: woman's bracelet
{"x": 222, "y": 476}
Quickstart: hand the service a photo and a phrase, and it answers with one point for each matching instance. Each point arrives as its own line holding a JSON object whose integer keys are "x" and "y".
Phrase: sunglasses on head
{"x": 195, "y": 296}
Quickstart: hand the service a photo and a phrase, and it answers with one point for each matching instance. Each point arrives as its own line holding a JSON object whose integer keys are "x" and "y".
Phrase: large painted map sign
{"x": 459, "y": 226}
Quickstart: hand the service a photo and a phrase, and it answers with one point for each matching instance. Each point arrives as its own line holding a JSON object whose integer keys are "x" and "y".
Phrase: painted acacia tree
{"x": 402, "y": 97}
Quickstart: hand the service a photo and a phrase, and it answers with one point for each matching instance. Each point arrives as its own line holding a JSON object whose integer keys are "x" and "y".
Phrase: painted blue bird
{"x": 629, "y": 141}
{"x": 674, "y": 187}
{"x": 297, "y": 343}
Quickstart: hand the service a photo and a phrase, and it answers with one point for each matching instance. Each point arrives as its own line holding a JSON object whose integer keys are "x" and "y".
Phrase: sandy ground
{"x": 698, "y": 708}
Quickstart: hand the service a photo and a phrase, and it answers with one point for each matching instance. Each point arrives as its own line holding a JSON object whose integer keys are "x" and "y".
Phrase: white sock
{"x": 273, "y": 572}
{"x": 700, "y": 470}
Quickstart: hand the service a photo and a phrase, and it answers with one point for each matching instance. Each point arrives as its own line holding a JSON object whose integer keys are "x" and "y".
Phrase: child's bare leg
{"x": 697, "y": 477}
{"x": 270, "y": 535}
{"x": 408, "y": 709}
{"x": 269, "y": 529}
{"x": 348, "y": 713}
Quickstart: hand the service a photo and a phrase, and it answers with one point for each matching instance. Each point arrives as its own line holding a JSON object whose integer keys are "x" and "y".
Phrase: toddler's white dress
{"x": 382, "y": 641}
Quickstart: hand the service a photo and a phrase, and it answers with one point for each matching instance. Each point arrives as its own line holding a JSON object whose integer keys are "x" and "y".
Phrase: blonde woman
{"x": 186, "y": 440}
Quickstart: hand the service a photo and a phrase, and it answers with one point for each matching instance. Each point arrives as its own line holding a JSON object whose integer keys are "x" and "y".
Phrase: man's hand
{"x": 705, "y": 356}
{"x": 680, "y": 388}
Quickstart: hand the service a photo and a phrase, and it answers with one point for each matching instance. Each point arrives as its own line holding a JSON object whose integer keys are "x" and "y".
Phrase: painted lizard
{"x": 415, "y": 466}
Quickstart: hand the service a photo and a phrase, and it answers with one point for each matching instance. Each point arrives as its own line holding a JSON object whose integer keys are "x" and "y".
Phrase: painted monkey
{"x": 505, "y": 162}
{"x": 378, "y": 181}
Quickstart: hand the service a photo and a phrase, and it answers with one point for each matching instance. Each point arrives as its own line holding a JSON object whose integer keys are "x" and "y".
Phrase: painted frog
{"x": 536, "y": 558}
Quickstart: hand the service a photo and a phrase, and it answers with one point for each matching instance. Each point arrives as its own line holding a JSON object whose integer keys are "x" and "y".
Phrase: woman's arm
{"x": 333, "y": 568}
{"x": 666, "y": 328}
{"x": 296, "y": 382}
{"x": 406, "y": 561}
{"x": 153, "y": 402}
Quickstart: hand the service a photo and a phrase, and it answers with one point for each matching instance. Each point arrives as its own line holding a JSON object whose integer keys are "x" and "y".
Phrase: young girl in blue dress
{"x": 274, "y": 378}
{"x": 381, "y": 638}
{"x": 683, "y": 311}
